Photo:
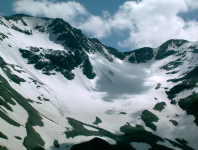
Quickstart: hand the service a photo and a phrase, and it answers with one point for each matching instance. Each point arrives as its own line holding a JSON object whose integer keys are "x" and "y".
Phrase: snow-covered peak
{"x": 60, "y": 89}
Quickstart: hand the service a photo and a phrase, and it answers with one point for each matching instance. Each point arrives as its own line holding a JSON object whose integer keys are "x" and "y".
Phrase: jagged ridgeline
{"x": 78, "y": 48}
{"x": 60, "y": 89}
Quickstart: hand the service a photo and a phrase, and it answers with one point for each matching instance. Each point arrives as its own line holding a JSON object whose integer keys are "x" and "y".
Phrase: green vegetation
{"x": 174, "y": 122}
{"x": 160, "y": 106}
{"x": 3, "y": 135}
{"x": 56, "y": 144}
{"x": 148, "y": 117}
{"x": 3, "y": 148}
{"x": 8, "y": 119}
{"x": 4, "y": 93}
{"x": 7, "y": 92}
{"x": 5, "y": 104}
{"x": 97, "y": 121}
{"x": 33, "y": 139}
{"x": 79, "y": 129}
{"x": 139, "y": 134}
{"x": 131, "y": 134}
{"x": 190, "y": 105}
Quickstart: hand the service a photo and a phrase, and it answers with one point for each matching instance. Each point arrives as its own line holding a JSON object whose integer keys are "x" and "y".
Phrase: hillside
{"x": 63, "y": 90}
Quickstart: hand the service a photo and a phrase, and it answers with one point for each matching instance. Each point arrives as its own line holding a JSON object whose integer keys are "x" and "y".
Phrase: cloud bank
{"x": 148, "y": 22}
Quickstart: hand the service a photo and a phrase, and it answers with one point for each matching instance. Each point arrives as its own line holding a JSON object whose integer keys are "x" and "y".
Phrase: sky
{"x": 124, "y": 25}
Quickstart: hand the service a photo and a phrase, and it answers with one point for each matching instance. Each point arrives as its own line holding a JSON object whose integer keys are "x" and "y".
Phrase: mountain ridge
{"x": 67, "y": 80}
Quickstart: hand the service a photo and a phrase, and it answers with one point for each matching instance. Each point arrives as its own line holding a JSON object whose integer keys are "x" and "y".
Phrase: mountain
{"x": 60, "y": 89}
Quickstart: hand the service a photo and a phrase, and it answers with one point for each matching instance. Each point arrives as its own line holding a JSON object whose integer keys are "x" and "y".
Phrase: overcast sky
{"x": 125, "y": 25}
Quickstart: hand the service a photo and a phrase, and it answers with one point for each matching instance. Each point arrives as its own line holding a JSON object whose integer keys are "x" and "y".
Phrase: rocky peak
{"x": 168, "y": 48}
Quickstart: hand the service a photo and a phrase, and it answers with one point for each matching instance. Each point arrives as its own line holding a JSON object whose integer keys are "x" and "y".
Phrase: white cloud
{"x": 105, "y": 14}
{"x": 66, "y": 10}
{"x": 148, "y": 22}
{"x": 157, "y": 21}
{"x": 192, "y": 4}
{"x": 96, "y": 26}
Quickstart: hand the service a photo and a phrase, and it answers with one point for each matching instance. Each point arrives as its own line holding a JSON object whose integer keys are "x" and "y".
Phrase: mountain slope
{"x": 60, "y": 88}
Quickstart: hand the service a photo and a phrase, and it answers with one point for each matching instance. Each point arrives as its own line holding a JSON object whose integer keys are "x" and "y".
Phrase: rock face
{"x": 166, "y": 50}
{"x": 141, "y": 55}
{"x": 60, "y": 89}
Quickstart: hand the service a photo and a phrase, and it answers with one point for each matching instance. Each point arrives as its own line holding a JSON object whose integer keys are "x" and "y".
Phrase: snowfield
{"x": 118, "y": 94}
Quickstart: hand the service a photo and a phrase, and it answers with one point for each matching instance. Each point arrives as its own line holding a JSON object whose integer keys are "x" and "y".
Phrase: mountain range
{"x": 60, "y": 89}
